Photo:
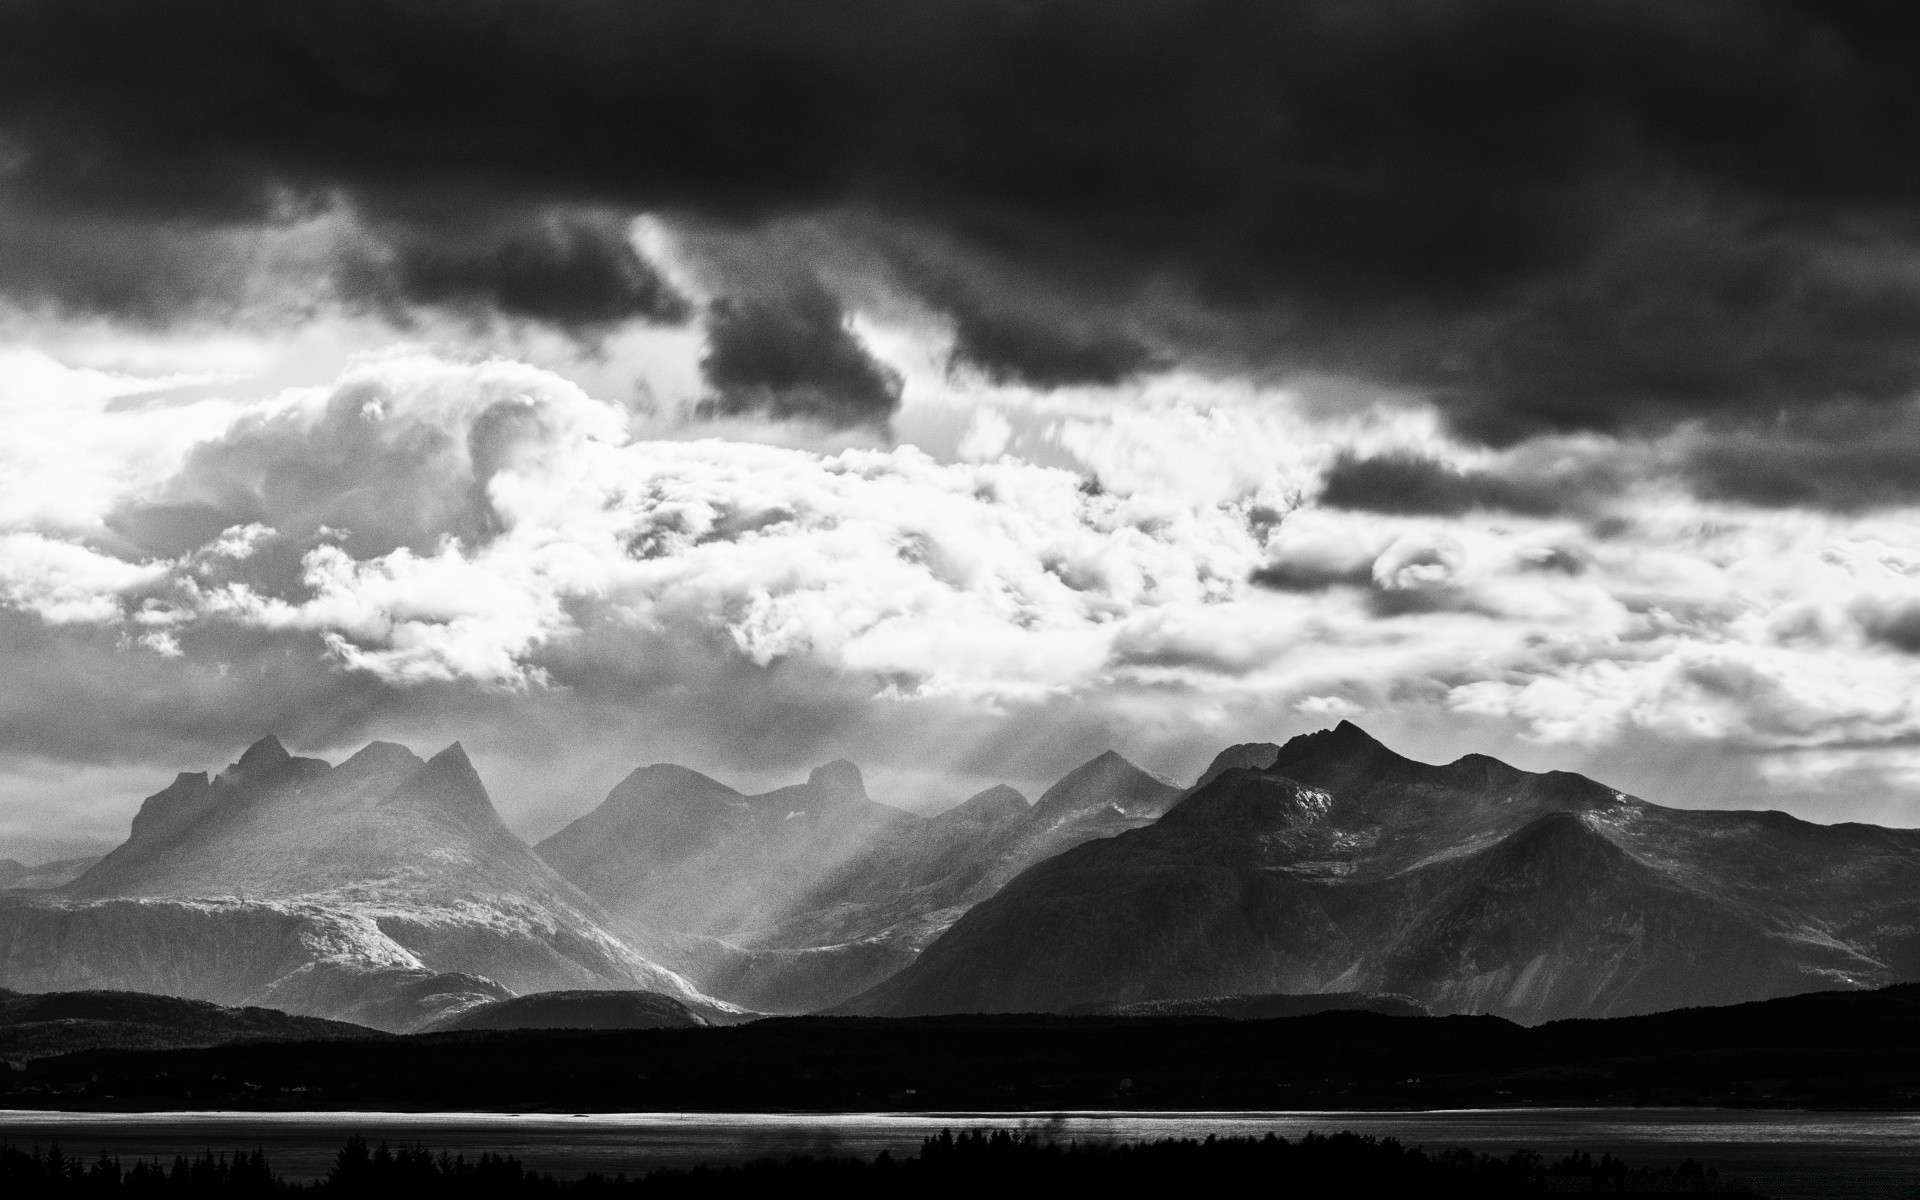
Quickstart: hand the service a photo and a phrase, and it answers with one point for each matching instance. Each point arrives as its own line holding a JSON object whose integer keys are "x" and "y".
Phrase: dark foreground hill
{"x": 1826, "y": 1050}
{"x": 1332, "y": 864}
{"x": 1000, "y": 1163}
{"x": 576, "y": 1010}
{"x": 36, "y": 1026}
{"x": 1261, "y": 1008}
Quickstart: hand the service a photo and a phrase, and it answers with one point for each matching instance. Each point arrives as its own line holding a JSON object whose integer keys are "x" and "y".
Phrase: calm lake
{"x": 1786, "y": 1154}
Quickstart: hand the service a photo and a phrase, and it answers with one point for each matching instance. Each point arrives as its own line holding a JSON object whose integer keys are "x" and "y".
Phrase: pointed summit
{"x": 263, "y": 755}
{"x": 453, "y": 763}
{"x": 1107, "y": 779}
{"x": 1333, "y": 757}
{"x": 449, "y": 784}
{"x": 838, "y": 782}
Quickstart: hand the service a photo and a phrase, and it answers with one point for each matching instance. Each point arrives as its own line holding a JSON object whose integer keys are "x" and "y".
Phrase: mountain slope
{"x": 37, "y": 1026}
{"x": 1469, "y": 886}
{"x": 576, "y": 1010}
{"x": 671, "y": 848}
{"x": 822, "y": 892}
{"x": 384, "y": 890}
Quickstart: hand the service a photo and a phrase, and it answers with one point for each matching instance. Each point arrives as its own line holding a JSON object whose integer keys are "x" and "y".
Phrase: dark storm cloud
{"x": 147, "y": 273}
{"x": 1305, "y": 575}
{"x": 789, "y": 354}
{"x": 1041, "y": 351}
{"x": 1550, "y": 213}
{"x": 574, "y": 271}
{"x": 1843, "y": 457}
{"x": 1407, "y": 484}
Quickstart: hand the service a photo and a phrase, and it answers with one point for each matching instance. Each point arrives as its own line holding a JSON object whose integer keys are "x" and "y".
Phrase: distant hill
{"x": 384, "y": 890}
{"x": 36, "y": 1026}
{"x": 1831, "y": 1050}
{"x": 42, "y": 876}
{"x": 1262, "y": 1008}
{"x": 1334, "y": 864}
{"x": 817, "y": 891}
{"x": 575, "y": 1010}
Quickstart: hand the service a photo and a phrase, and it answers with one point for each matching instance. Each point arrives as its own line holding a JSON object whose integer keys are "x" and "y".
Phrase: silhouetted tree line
{"x": 998, "y": 1164}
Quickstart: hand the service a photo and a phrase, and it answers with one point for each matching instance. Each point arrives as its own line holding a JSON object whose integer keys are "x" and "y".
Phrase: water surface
{"x": 1872, "y": 1156}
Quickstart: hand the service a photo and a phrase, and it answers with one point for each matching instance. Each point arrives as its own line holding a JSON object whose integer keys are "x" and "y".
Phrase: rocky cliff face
{"x": 384, "y": 891}
{"x": 1336, "y": 865}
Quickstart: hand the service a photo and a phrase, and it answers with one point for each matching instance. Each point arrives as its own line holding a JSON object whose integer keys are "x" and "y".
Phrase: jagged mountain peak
{"x": 1338, "y": 757}
{"x": 454, "y": 757}
{"x": 1106, "y": 779}
{"x": 263, "y": 755}
{"x": 1474, "y": 886}
{"x": 449, "y": 783}
{"x": 338, "y": 886}
{"x": 838, "y": 781}
{"x": 1343, "y": 740}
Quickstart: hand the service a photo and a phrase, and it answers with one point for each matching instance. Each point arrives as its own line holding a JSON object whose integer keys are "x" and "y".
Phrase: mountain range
{"x": 818, "y": 891}
{"x": 1325, "y": 872}
{"x": 1332, "y": 864}
{"x": 383, "y": 891}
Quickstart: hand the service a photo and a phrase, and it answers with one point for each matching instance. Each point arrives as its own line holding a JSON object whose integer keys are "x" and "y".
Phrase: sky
{"x": 963, "y": 387}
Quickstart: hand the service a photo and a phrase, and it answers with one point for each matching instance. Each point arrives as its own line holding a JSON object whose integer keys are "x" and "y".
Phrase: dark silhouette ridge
{"x": 976, "y": 1163}
{"x": 36, "y": 1026}
{"x": 1261, "y": 1008}
{"x": 576, "y": 1010}
{"x": 1824, "y": 1050}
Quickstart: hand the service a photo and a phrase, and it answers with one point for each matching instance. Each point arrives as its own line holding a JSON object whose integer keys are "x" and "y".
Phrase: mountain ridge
{"x": 853, "y": 896}
{"x": 1471, "y": 886}
{"x": 385, "y": 890}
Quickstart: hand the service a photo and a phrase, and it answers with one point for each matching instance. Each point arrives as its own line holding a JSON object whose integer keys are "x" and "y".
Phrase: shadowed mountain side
{"x": 384, "y": 890}
{"x": 905, "y": 892}
{"x": 1263, "y": 1008}
{"x": 576, "y": 1010}
{"x": 1471, "y": 887}
{"x": 819, "y": 892}
{"x": 35, "y": 1026}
